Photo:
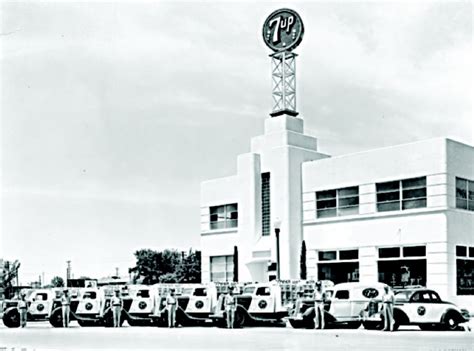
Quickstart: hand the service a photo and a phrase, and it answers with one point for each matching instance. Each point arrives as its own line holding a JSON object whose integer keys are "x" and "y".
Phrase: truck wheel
{"x": 451, "y": 321}
{"x": 56, "y": 318}
{"x": 11, "y": 318}
{"x": 84, "y": 323}
{"x": 239, "y": 319}
{"x": 108, "y": 319}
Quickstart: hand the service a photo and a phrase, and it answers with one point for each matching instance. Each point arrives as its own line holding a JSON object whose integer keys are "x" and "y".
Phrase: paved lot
{"x": 40, "y": 336}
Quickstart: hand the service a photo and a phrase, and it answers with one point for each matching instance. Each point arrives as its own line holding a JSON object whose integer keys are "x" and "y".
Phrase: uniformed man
{"x": 23, "y": 309}
{"x": 65, "y": 308}
{"x": 230, "y": 307}
{"x": 298, "y": 303}
{"x": 171, "y": 303}
{"x": 319, "y": 297}
{"x": 388, "y": 300}
{"x": 116, "y": 305}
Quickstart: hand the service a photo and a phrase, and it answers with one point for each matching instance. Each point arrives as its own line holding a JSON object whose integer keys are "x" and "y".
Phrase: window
{"x": 342, "y": 294}
{"x": 225, "y": 216}
{"x": 41, "y": 297}
{"x": 461, "y": 251}
{"x": 464, "y": 271}
{"x": 90, "y": 295}
{"x": 143, "y": 293}
{"x": 464, "y": 194}
{"x": 340, "y": 202}
{"x": 249, "y": 290}
{"x": 414, "y": 251}
{"x": 222, "y": 268}
{"x": 327, "y": 255}
{"x": 265, "y": 203}
{"x": 435, "y": 297}
{"x": 401, "y": 194}
{"x": 348, "y": 254}
{"x": 387, "y": 252}
{"x": 263, "y": 291}
{"x": 200, "y": 292}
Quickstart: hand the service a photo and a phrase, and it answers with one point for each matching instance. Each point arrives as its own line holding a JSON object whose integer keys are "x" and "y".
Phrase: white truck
{"x": 259, "y": 303}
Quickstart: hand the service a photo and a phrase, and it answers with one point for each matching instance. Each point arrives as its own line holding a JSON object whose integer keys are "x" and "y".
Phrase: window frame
{"x": 402, "y": 199}
{"x": 337, "y": 210}
{"x": 225, "y": 218}
{"x": 468, "y": 199}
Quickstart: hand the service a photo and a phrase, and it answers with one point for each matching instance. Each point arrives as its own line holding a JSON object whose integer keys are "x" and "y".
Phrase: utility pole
{"x": 68, "y": 271}
{"x": 116, "y": 271}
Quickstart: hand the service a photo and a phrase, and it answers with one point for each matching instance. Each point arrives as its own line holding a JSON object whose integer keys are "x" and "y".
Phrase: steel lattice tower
{"x": 284, "y": 83}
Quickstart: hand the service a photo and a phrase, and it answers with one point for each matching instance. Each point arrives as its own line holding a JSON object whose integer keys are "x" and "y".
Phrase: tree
{"x": 57, "y": 282}
{"x": 303, "y": 271}
{"x": 236, "y": 264}
{"x": 189, "y": 269}
{"x": 7, "y": 275}
{"x": 168, "y": 265}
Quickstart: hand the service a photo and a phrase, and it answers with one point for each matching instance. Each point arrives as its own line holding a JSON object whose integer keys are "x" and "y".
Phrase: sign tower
{"x": 282, "y": 32}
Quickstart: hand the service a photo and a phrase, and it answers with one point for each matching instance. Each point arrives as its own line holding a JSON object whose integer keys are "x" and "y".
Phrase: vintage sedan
{"x": 424, "y": 307}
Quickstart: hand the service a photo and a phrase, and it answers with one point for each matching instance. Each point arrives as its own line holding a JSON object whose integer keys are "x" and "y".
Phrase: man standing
{"x": 319, "y": 297}
{"x": 171, "y": 308}
{"x": 116, "y": 305}
{"x": 65, "y": 303}
{"x": 23, "y": 309}
{"x": 230, "y": 307}
{"x": 388, "y": 300}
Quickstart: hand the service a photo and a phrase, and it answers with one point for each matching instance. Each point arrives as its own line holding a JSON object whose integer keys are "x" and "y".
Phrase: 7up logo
{"x": 279, "y": 24}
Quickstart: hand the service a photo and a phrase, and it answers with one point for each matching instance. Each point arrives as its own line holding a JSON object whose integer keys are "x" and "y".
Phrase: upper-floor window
{"x": 337, "y": 202}
{"x": 225, "y": 216}
{"x": 465, "y": 194}
{"x": 401, "y": 194}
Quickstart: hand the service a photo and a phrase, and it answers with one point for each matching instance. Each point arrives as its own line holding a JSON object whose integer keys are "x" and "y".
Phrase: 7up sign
{"x": 283, "y": 30}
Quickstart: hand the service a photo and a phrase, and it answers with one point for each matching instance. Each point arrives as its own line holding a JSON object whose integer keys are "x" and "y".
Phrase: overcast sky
{"x": 113, "y": 113}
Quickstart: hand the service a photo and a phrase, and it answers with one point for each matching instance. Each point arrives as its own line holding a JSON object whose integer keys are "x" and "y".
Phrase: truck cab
{"x": 196, "y": 303}
{"x": 259, "y": 303}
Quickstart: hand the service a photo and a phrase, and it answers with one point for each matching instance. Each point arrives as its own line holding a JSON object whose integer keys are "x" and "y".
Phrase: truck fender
{"x": 400, "y": 316}
{"x": 458, "y": 316}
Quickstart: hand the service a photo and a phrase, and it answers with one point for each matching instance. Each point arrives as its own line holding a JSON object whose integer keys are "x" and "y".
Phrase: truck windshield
{"x": 249, "y": 290}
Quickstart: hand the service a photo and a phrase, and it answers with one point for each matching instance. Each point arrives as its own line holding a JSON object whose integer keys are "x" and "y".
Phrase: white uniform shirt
{"x": 230, "y": 301}
{"x": 170, "y": 301}
{"x": 22, "y": 304}
{"x": 319, "y": 296}
{"x": 116, "y": 301}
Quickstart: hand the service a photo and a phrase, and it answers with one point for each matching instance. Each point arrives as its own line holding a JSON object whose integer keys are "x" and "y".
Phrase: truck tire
{"x": 56, "y": 318}
{"x": 451, "y": 321}
{"x": 87, "y": 323}
{"x": 11, "y": 318}
{"x": 353, "y": 325}
{"x": 373, "y": 325}
{"x": 240, "y": 317}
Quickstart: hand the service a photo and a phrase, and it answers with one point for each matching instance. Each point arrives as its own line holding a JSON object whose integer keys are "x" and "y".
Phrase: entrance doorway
{"x": 400, "y": 273}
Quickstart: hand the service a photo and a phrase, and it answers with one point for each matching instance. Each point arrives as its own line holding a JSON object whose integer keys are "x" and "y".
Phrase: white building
{"x": 401, "y": 214}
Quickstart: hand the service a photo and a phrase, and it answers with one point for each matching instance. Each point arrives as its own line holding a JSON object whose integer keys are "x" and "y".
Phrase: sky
{"x": 113, "y": 113}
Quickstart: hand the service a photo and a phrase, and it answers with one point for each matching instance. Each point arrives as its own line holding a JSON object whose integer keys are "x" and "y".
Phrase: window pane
{"x": 465, "y": 277}
{"x": 349, "y": 201}
{"x": 326, "y": 213}
{"x": 328, "y": 194}
{"x": 460, "y": 203}
{"x": 348, "y": 191}
{"x": 470, "y": 205}
{"x": 414, "y": 193}
{"x": 461, "y": 251}
{"x": 387, "y": 252}
{"x": 388, "y": 206}
{"x": 346, "y": 211}
{"x": 409, "y": 204}
{"x": 231, "y": 208}
{"x": 321, "y": 204}
{"x": 231, "y": 223}
{"x": 388, "y": 186}
{"x": 471, "y": 190}
{"x": 414, "y": 183}
{"x": 385, "y": 197}
{"x": 414, "y": 251}
{"x": 461, "y": 188}
{"x": 349, "y": 254}
{"x": 217, "y": 225}
{"x": 327, "y": 255}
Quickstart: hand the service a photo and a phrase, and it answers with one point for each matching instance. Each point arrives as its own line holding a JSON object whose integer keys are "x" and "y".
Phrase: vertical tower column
{"x": 284, "y": 83}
